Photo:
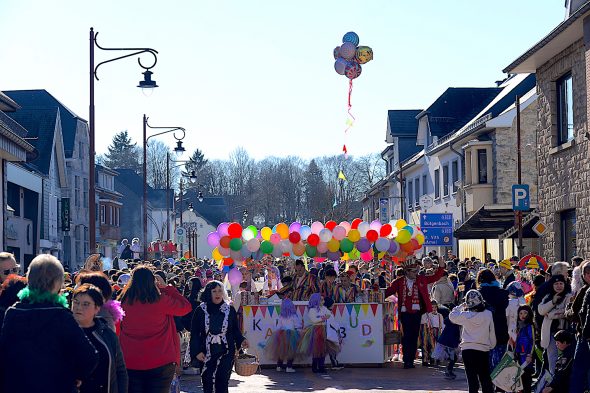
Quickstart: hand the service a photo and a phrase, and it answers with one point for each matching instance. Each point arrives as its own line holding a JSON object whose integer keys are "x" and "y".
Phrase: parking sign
{"x": 520, "y": 197}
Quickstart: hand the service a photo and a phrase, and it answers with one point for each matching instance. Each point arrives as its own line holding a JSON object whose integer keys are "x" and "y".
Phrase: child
{"x": 430, "y": 327}
{"x": 525, "y": 344}
{"x": 447, "y": 345}
{"x": 313, "y": 338}
{"x": 515, "y": 300}
{"x": 563, "y": 368}
{"x": 333, "y": 337}
{"x": 282, "y": 344}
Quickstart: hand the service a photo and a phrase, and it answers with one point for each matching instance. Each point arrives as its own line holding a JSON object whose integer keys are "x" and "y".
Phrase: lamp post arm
{"x": 168, "y": 129}
{"x": 137, "y": 52}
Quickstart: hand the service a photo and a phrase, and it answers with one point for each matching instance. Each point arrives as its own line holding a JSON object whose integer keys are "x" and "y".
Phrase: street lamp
{"x": 146, "y": 84}
{"x": 182, "y": 163}
{"x": 200, "y": 197}
{"x": 244, "y": 217}
{"x": 191, "y": 207}
{"x": 145, "y": 144}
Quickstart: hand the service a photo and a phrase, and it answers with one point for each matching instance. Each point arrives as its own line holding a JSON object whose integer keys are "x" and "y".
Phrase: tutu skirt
{"x": 282, "y": 345}
{"x": 313, "y": 341}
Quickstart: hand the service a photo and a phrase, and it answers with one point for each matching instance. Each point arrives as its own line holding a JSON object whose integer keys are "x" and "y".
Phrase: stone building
{"x": 110, "y": 204}
{"x": 561, "y": 61}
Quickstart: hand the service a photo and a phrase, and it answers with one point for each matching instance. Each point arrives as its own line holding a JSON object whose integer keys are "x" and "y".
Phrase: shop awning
{"x": 495, "y": 222}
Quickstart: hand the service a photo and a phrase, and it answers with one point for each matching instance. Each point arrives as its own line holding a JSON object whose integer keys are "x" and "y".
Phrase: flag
{"x": 341, "y": 176}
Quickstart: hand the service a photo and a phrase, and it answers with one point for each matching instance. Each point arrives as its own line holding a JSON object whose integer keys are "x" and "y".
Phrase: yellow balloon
{"x": 345, "y": 257}
{"x": 399, "y": 224}
{"x": 420, "y": 238}
{"x": 216, "y": 254}
{"x": 283, "y": 230}
{"x": 333, "y": 245}
{"x": 265, "y": 233}
{"x": 381, "y": 255}
{"x": 354, "y": 235}
{"x": 403, "y": 236}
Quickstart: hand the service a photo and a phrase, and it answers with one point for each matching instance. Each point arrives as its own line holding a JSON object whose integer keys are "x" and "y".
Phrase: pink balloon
{"x": 234, "y": 277}
{"x": 316, "y": 227}
{"x": 213, "y": 239}
{"x": 339, "y": 233}
{"x": 346, "y": 225}
{"x": 222, "y": 229}
{"x": 275, "y": 238}
{"x": 366, "y": 256}
{"x": 322, "y": 247}
{"x": 253, "y": 245}
{"x": 375, "y": 225}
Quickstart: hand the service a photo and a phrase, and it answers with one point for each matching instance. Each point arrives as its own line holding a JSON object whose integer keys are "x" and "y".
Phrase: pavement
{"x": 389, "y": 378}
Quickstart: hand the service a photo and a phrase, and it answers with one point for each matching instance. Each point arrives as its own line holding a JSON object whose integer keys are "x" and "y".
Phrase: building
{"x": 110, "y": 204}
{"x": 157, "y": 222}
{"x": 130, "y": 185}
{"x": 561, "y": 61}
{"x": 72, "y": 147}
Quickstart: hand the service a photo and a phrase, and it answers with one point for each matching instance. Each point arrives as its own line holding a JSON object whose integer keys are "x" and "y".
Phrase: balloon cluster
{"x": 349, "y": 56}
{"x": 358, "y": 239}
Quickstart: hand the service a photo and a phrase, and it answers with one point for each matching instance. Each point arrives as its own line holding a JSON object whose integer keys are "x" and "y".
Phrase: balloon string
{"x": 350, "y": 122}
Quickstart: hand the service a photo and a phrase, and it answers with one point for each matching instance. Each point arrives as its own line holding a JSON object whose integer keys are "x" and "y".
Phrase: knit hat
{"x": 473, "y": 298}
{"x": 506, "y": 264}
{"x": 515, "y": 289}
{"x": 558, "y": 278}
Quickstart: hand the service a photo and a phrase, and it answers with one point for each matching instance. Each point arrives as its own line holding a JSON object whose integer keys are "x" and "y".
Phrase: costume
{"x": 431, "y": 326}
{"x": 313, "y": 337}
{"x": 305, "y": 286}
{"x": 282, "y": 344}
{"x": 347, "y": 295}
{"x": 329, "y": 290}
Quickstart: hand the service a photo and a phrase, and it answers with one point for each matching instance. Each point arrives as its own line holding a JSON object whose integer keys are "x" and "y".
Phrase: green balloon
{"x": 354, "y": 254}
{"x": 253, "y": 229}
{"x": 346, "y": 245}
{"x": 235, "y": 244}
{"x": 266, "y": 247}
{"x": 311, "y": 251}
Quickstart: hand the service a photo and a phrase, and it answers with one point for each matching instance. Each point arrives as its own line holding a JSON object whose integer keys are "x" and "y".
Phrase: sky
{"x": 259, "y": 73}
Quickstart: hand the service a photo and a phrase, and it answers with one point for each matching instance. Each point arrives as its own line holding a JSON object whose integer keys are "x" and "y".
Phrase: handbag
{"x": 507, "y": 375}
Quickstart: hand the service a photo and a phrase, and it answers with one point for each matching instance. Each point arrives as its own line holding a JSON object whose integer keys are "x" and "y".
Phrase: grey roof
{"x": 157, "y": 198}
{"x": 12, "y": 125}
{"x": 403, "y": 122}
{"x": 213, "y": 208}
{"x": 131, "y": 180}
{"x": 42, "y": 99}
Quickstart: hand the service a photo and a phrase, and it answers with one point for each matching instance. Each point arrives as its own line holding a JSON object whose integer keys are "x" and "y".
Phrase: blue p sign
{"x": 520, "y": 197}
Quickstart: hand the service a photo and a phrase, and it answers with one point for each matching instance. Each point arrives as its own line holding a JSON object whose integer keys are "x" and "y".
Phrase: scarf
{"x": 35, "y": 296}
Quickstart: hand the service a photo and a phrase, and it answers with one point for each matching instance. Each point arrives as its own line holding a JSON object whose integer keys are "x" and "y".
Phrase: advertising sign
{"x": 65, "y": 214}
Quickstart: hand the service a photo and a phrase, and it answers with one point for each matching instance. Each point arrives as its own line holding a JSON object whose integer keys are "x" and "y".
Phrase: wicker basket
{"x": 393, "y": 337}
{"x": 246, "y": 364}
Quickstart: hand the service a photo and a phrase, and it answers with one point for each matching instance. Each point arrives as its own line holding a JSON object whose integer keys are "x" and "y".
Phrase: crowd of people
{"x": 137, "y": 328}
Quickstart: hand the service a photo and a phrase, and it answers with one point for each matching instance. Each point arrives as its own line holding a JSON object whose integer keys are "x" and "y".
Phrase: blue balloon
{"x": 340, "y": 67}
{"x": 225, "y": 269}
{"x": 352, "y": 37}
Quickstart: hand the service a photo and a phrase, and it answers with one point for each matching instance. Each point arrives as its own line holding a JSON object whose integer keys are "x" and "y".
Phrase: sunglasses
{"x": 8, "y": 271}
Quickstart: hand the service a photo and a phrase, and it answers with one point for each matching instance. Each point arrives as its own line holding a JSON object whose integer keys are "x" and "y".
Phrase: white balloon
{"x": 364, "y": 228}
{"x": 325, "y": 235}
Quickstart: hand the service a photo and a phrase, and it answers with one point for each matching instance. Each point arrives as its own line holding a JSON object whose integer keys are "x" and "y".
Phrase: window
{"x": 86, "y": 248}
{"x": 81, "y": 152}
{"x": 410, "y": 193}
{"x": 437, "y": 184}
{"x": 482, "y": 166}
{"x": 565, "y": 109}
{"x": 102, "y": 214}
{"x": 85, "y": 192}
{"x": 455, "y": 175}
{"x": 446, "y": 180}
{"x": 568, "y": 234}
{"x": 116, "y": 216}
{"x": 417, "y": 191}
{"x": 424, "y": 185}
{"x": 111, "y": 215}
{"x": 77, "y": 191}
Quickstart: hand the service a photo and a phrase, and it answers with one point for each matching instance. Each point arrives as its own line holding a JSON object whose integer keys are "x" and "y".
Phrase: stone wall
{"x": 564, "y": 174}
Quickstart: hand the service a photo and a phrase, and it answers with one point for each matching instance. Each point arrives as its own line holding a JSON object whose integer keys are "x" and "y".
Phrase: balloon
{"x": 407, "y": 247}
{"x": 245, "y": 253}
{"x": 346, "y": 226}
{"x": 348, "y": 50}
{"x": 399, "y": 224}
{"x": 322, "y": 247}
{"x": 346, "y": 245}
{"x": 276, "y": 252}
{"x": 213, "y": 239}
{"x": 311, "y": 251}
{"x": 403, "y": 236}
{"x": 235, "y": 277}
{"x": 298, "y": 249}
{"x": 235, "y": 244}
{"x": 222, "y": 229}
{"x": 415, "y": 244}
{"x": 393, "y": 247}
{"x": 340, "y": 66}
{"x": 333, "y": 245}
{"x": 225, "y": 269}
{"x": 234, "y": 230}
{"x": 305, "y": 231}
{"x": 375, "y": 225}
{"x": 228, "y": 262}
{"x": 354, "y": 235}
{"x": 294, "y": 237}
{"x": 409, "y": 229}
{"x": 385, "y": 230}
{"x": 247, "y": 234}
{"x": 266, "y": 232}
{"x": 364, "y": 228}
{"x": 339, "y": 233}
{"x": 354, "y": 254}
{"x": 224, "y": 241}
{"x": 382, "y": 244}
{"x": 275, "y": 238}
{"x": 295, "y": 227}
{"x": 216, "y": 255}
{"x": 313, "y": 240}
{"x": 331, "y": 225}
{"x": 367, "y": 256}
{"x": 325, "y": 235}
{"x": 253, "y": 245}
{"x": 363, "y": 245}
{"x": 353, "y": 70}
{"x": 224, "y": 251}
{"x": 266, "y": 247}
{"x": 336, "y": 52}
{"x": 364, "y": 54}
{"x": 316, "y": 227}
{"x": 372, "y": 235}
{"x": 420, "y": 238}
{"x": 333, "y": 256}
{"x": 235, "y": 255}
{"x": 355, "y": 223}
{"x": 286, "y": 246}
{"x": 283, "y": 230}
{"x": 351, "y": 37}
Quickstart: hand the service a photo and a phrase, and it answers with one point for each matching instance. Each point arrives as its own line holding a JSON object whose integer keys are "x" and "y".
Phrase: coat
{"x": 551, "y": 312}
{"x": 478, "y": 329}
{"x": 497, "y": 300}
{"x": 443, "y": 291}
{"x": 398, "y": 286}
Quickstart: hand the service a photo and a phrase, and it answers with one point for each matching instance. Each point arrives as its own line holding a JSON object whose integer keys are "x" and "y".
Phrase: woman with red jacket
{"x": 150, "y": 344}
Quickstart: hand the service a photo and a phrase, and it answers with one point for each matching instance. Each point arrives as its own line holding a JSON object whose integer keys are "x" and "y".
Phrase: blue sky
{"x": 259, "y": 74}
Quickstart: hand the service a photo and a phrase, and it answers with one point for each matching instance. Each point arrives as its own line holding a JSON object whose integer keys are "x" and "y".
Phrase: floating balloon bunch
{"x": 344, "y": 241}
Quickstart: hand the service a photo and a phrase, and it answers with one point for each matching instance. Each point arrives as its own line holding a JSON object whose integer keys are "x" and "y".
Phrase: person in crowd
{"x": 525, "y": 344}
{"x": 8, "y": 266}
{"x": 150, "y": 344}
{"x": 448, "y": 343}
{"x": 354, "y": 274}
{"x": 126, "y": 252}
{"x": 563, "y": 370}
{"x": 41, "y": 333}
{"x": 287, "y": 290}
{"x": 329, "y": 287}
{"x": 557, "y": 269}
{"x": 110, "y": 309}
{"x": 93, "y": 263}
{"x": 313, "y": 337}
{"x": 577, "y": 280}
{"x": 135, "y": 248}
{"x": 304, "y": 284}
{"x": 443, "y": 291}
{"x": 496, "y": 299}
{"x": 281, "y": 346}
{"x": 8, "y": 293}
{"x": 215, "y": 337}
{"x": 412, "y": 292}
{"x": 578, "y": 314}
{"x": 347, "y": 291}
{"x": 515, "y": 300}
{"x": 333, "y": 336}
{"x": 237, "y": 297}
{"x": 478, "y": 338}
{"x": 430, "y": 327}
{"x": 538, "y": 280}
{"x": 552, "y": 308}
{"x": 110, "y": 375}
{"x": 506, "y": 272}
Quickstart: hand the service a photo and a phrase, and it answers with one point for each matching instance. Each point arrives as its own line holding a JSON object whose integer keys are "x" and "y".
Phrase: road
{"x": 350, "y": 380}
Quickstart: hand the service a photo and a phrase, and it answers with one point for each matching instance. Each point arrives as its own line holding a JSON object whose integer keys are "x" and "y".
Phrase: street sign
{"x": 540, "y": 228}
{"x": 180, "y": 235}
{"x": 383, "y": 209}
{"x": 426, "y": 202}
{"x": 520, "y": 197}
{"x": 437, "y": 229}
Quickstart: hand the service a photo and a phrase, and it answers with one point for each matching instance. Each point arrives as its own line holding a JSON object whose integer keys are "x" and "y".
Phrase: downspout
{"x": 463, "y": 205}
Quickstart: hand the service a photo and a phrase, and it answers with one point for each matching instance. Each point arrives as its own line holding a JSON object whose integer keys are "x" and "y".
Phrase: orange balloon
{"x": 283, "y": 230}
{"x": 224, "y": 241}
{"x": 407, "y": 247}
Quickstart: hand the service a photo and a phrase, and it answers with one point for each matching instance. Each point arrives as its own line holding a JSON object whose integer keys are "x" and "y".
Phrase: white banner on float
{"x": 361, "y": 325}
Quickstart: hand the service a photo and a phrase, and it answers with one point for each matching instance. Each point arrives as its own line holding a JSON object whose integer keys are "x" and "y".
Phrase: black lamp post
{"x": 147, "y": 83}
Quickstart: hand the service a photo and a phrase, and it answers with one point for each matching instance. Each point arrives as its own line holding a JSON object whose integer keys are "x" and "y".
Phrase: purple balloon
{"x": 363, "y": 245}
{"x": 213, "y": 239}
{"x": 393, "y": 247}
{"x": 340, "y": 65}
{"x": 348, "y": 50}
{"x": 333, "y": 256}
{"x": 222, "y": 229}
{"x": 295, "y": 227}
